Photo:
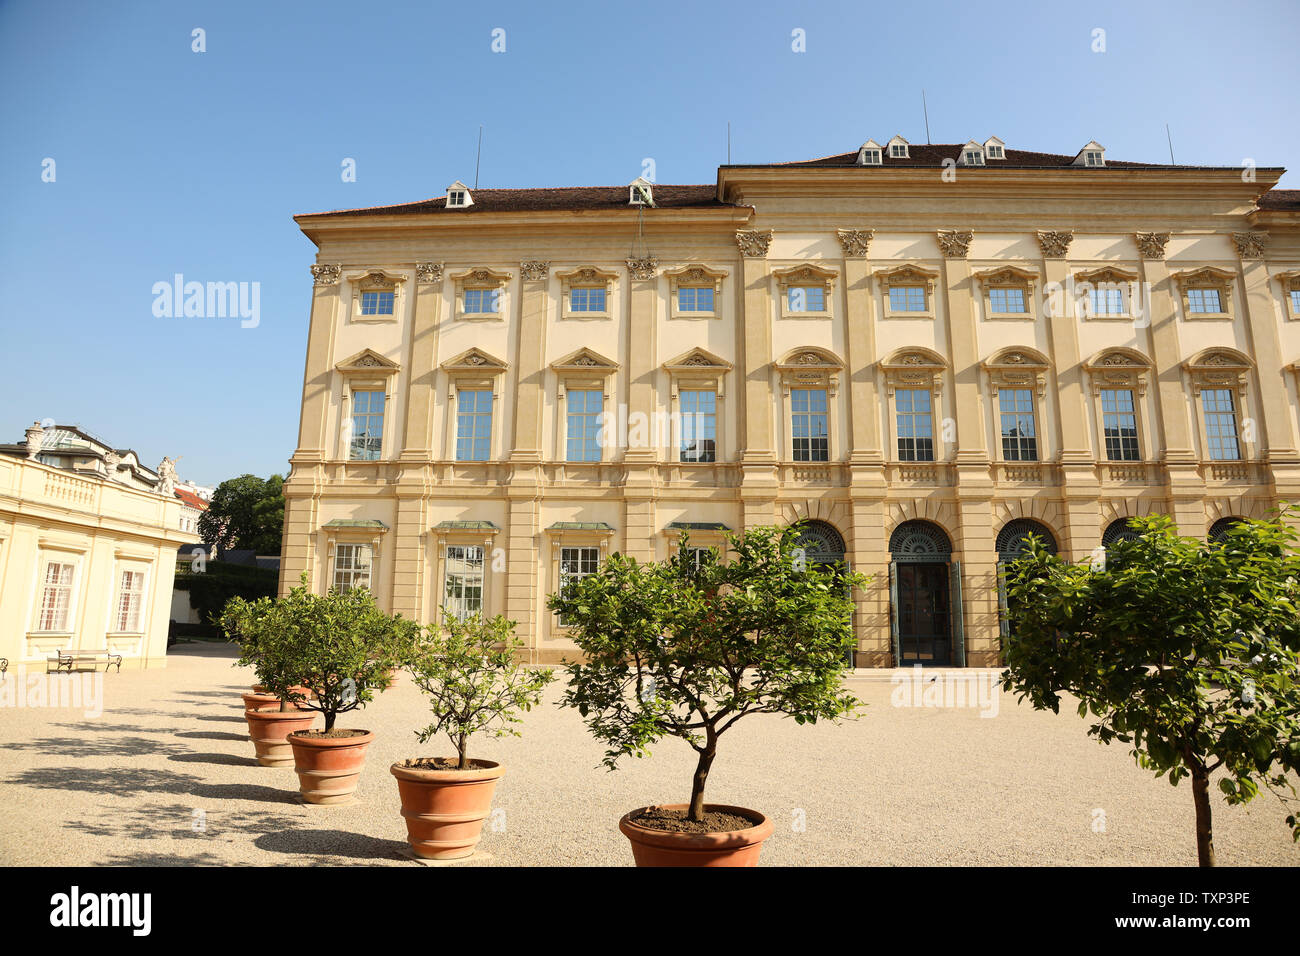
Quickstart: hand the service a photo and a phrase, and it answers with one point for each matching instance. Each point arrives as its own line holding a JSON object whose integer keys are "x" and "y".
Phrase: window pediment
{"x": 697, "y": 368}
{"x": 1007, "y": 279}
{"x": 377, "y": 281}
{"x": 586, "y": 277}
{"x": 368, "y": 361}
{"x": 907, "y": 275}
{"x": 1110, "y": 274}
{"x": 805, "y": 275}
{"x": 914, "y": 368}
{"x": 1018, "y": 368}
{"x": 1205, "y": 278}
{"x": 585, "y": 369}
{"x": 810, "y": 368}
{"x": 1118, "y": 368}
{"x": 1218, "y": 368}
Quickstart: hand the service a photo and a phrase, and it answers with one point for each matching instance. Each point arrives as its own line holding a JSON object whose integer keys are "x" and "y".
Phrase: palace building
{"x": 921, "y": 353}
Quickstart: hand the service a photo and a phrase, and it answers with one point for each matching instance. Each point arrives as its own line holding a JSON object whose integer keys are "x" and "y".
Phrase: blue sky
{"x": 170, "y": 161}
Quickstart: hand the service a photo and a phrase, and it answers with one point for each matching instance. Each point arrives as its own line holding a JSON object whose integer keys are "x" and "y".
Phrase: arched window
{"x": 1118, "y": 530}
{"x": 820, "y": 542}
{"x": 1220, "y": 527}
{"x": 919, "y": 541}
{"x": 1013, "y": 539}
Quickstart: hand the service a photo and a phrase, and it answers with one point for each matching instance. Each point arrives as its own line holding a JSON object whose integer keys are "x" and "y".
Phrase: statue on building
{"x": 167, "y": 478}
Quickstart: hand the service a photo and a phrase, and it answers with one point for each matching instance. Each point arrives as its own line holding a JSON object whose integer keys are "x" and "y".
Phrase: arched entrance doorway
{"x": 1118, "y": 530}
{"x": 925, "y": 597}
{"x": 1222, "y": 526}
{"x": 823, "y": 545}
{"x": 1012, "y": 542}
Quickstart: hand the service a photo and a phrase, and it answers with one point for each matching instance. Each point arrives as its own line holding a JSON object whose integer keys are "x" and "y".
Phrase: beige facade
{"x": 85, "y": 564}
{"x": 875, "y": 302}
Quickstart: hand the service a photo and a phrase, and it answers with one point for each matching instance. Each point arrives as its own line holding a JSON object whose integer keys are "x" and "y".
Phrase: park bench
{"x": 66, "y": 659}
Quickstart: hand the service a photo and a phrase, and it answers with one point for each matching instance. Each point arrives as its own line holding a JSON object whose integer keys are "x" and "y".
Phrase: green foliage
{"x": 245, "y": 513}
{"x": 340, "y": 646}
{"x": 211, "y": 590}
{"x": 676, "y": 650}
{"x": 470, "y": 672}
{"x": 1187, "y": 651}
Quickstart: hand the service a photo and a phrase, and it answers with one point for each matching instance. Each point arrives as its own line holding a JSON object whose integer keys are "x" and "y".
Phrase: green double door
{"x": 926, "y": 600}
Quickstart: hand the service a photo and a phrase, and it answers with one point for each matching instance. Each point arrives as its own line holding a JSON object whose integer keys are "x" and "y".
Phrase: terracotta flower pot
{"x": 255, "y": 701}
{"x": 445, "y": 809}
{"x": 329, "y": 767}
{"x": 666, "y": 848}
{"x": 269, "y": 730}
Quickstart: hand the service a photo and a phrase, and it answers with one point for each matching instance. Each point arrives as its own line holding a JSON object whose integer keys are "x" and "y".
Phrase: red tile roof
{"x": 191, "y": 499}
{"x": 1280, "y": 199}
{"x": 547, "y": 199}
{"x": 926, "y": 155}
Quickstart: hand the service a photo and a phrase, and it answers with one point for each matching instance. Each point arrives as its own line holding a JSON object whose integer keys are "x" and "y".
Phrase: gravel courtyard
{"x": 166, "y": 775}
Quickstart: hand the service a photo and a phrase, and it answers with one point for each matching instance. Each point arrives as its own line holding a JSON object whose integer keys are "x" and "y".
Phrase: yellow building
{"x": 88, "y": 541}
{"x": 923, "y": 351}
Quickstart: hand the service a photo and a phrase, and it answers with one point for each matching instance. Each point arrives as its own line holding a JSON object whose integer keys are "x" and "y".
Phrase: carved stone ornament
{"x": 368, "y": 361}
{"x": 809, "y": 358}
{"x": 854, "y": 242}
{"x": 955, "y": 243}
{"x": 642, "y": 267}
{"x": 534, "y": 270}
{"x": 698, "y": 361}
{"x": 326, "y": 274}
{"x": 428, "y": 272}
{"x": 754, "y": 243}
{"x": 474, "y": 360}
{"x": 1250, "y": 245}
{"x": 1151, "y": 245}
{"x": 1055, "y": 245}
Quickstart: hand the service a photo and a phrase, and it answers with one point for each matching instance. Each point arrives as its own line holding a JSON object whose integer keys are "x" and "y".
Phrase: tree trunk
{"x": 1204, "y": 828}
{"x": 329, "y": 720}
{"x": 460, "y": 750}
{"x": 710, "y": 750}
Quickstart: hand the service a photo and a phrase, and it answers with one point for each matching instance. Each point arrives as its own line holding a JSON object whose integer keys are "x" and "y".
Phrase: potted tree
{"x": 686, "y": 648}
{"x": 1184, "y": 650}
{"x": 470, "y": 672}
{"x": 342, "y": 648}
{"x": 271, "y": 716}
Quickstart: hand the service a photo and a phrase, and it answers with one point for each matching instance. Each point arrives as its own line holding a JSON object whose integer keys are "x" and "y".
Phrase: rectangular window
{"x": 699, "y": 425}
{"x": 974, "y": 157}
{"x": 1016, "y": 406}
{"x": 898, "y": 151}
{"x": 377, "y": 303}
{"x": 464, "y": 581}
{"x": 473, "y": 424}
{"x": 809, "y": 425}
{"x": 915, "y": 424}
{"x": 697, "y": 558}
{"x": 695, "y": 299}
{"x": 583, "y": 435}
{"x": 1203, "y": 301}
{"x": 576, "y": 564}
{"x": 482, "y": 301}
{"x": 1119, "y": 424}
{"x": 56, "y": 596}
{"x": 352, "y": 566}
{"x": 907, "y": 298}
{"x": 1220, "y": 424}
{"x": 871, "y": 157}
{"x": 1106, "y": 301}
{"x": 130, "y": 597}
{"x": 806, "y": 298}
{"x": 1007, "y": 301}
{"x": 367, "y": 426}
{"x": 1295, "y": 301}
{"x": 586, "y": 300}
{"x": 995, "y": 152}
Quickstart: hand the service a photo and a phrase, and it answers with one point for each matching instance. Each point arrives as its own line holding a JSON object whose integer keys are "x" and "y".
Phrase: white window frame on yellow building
{"x": 907, "y": 276}
{"x": 700, "y": 534}
{"x": 695, "y": 276}
{"x": 572, "y": 534}
{"x": 367, "y": 371}
{"x": 475, "y": 534}
{"x": 1221, "y": 367}
{"x": 920, "y": 369}
{"x": 376, "y": 280}
{"x": 701, "y": 371}
{"x": 57, "y": 551}
{"x": 482, "y": 278}
{"x": 1206, "y": 277}
{"x": 1121, "y": 368}
{"x": 1019, "y": 367}
{"x": 137, "y": 562}
{"x": 368, "y": 532}
{"x": 1009, "y": 278}
{"x": 583, "y": 370}
{"x": 1106, "y": 277}
{"x": 810, "y": 367}
{"x": 805, "y": 276}
{"x": 472, "y": 370}
{"x": 586, "y": 277}
{"x": 1289, "y": 281}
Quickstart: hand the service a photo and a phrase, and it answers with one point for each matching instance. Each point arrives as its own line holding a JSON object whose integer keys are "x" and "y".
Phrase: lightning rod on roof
{"x": 478, "y": 155}
{"x": 1171, "y": 146}
{"x": 728, "y": 142}
{"x": 925, "y": 109}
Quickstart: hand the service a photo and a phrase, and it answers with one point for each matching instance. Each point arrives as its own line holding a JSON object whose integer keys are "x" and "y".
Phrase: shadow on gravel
{"x": 210, "y": 735}
{"x": 120, "y": 782}
{"x": 81, "y": 747}
{"x": 181, "y": 821}
{"x": 248, "y": 791}
{"x": 228, "y": 760}
{"x": 326, "y": 844}
{"x": 236, "y": 720}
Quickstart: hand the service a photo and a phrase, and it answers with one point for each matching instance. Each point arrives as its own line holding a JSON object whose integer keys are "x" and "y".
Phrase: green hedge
{"x": 219, "y": 582}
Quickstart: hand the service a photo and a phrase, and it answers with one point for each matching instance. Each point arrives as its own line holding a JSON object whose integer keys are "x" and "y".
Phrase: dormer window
{"x": 640, "y": 192}
{"x": 972, "y": 154}
{"x": 458, "y": 196}
{"x": 994, "y": 148}
{"x": 1093, "y": 155}
{"x": 898, "y": 148}
{"x": 870, "y": 154}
